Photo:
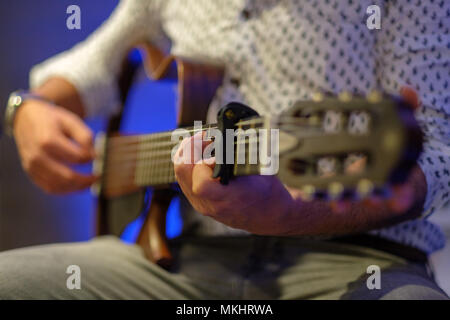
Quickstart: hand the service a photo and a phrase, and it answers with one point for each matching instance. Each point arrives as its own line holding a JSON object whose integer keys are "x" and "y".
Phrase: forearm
{"x": 316, "y": 218}
{"x": 62, "y": 93}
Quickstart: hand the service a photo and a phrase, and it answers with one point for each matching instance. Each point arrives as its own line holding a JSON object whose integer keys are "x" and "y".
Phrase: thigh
{"x": 327, "y": 270}
{"x": 109, "y": 269}
{"x": 398, "y": 282}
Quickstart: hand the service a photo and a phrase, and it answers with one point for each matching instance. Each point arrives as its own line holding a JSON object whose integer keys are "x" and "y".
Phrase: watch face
{"x": 15, "y": 100}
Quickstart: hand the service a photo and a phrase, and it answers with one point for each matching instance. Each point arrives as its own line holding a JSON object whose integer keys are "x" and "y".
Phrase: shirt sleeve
{"x": 93, "y": 65}
{"x": 413, "y": 49}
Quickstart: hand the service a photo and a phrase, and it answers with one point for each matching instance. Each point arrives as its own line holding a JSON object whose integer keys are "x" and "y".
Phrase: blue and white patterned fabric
{"x": 282, "y": 51}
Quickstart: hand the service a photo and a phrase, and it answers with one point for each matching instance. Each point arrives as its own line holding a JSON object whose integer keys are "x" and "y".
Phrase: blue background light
{"x": 151, "y": 107}
{"x": 28, "y": 216}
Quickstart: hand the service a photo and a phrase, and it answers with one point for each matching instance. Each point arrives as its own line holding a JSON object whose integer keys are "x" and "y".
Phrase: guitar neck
{"x": 309, "y": 154}
{"x": 130, "y": 162}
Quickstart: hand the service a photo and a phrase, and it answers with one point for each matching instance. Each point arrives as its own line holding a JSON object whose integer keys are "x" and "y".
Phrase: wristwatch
{"x": 15, "y": 101}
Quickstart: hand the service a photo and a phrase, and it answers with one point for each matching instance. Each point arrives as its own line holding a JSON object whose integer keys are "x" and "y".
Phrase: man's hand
{"x": 49, "y": 139}
{"x": 258, "y": 204}
{"x": 263, "y": 205}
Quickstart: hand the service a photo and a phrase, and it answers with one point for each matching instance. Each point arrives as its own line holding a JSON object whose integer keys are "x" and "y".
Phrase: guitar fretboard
{"x": 135, "y": 161}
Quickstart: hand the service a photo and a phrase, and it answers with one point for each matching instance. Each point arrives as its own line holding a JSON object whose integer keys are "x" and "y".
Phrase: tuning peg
{"x": 365, "y": 187}
{"x": 374, "y": 96}
{"x": 308, "y": 192}
{"x": 333, "y": 121}
{"x": 314, "y": 120}
{"x": 345, "y": 96}
{"x": 317, "y": 96}
{"x": 335, "y": 190}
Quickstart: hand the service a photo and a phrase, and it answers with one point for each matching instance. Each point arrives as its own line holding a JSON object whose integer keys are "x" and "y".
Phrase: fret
{"x": 269, "y": 151}
{"x": 154, "y": 165}
{"x": 99, "y": 163}
{"x": 141, "y": 169}
{"x": 249, "y": 134}
{"x": 154, "y": 162}
{"x": 253, "y": 146}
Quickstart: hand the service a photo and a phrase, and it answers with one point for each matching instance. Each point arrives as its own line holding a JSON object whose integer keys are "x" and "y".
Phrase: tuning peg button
{"x": 335, "y": 190}
{"x": 365, "y": 188}
{"x": 345, "y": 96}
{"x": 317, "y": 96}
{"x": 374, "y": 96}
{"x": 308, "y": 192}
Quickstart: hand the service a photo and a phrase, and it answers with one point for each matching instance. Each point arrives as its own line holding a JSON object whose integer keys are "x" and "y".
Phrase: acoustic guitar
{"x": 309, "y": 156}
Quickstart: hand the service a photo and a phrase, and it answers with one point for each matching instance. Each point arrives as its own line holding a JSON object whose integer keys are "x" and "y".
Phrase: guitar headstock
{"x": 347, "y": 146}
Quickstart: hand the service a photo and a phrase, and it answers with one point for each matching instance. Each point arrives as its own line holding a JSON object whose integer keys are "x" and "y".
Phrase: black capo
{"x": 227, "y": 118}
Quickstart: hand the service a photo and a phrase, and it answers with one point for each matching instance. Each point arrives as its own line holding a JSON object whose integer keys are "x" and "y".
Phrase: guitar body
{"x": 197, "y": 85}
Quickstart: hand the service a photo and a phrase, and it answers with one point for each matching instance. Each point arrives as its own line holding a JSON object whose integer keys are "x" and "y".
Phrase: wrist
{"x": 16, "y": 102}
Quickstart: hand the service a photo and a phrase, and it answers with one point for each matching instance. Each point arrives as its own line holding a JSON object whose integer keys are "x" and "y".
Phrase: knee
{"x": 28, "y": 274}
{"x": 415, "y": 292}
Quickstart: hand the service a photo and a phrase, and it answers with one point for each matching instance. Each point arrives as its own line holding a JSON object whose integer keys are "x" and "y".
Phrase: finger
{"x": 65, "y": 150}
{"x": 194, "y": 147}
{"x": 410, "y": 96}
{"x": 41, "y": 180}
{"x": 60, "y": 178}
{"x": 188, "y": 153}
{"x": 183, "y": 169}
{"x": 46, "y": 182}
{"x": 204, "y": 185}
{"x": 402, "y": 198}
{"x": 207, "y": 187}
{"x": 197, "y": 145}
{"x": 373, "y": 202}
{"x": 340, "y": 206}
{"x": 210, "y": 162}
{"x": 76, "y": 129}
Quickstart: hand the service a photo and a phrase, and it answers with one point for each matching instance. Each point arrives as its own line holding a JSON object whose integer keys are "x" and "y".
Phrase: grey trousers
{"x": 212, "y": 268}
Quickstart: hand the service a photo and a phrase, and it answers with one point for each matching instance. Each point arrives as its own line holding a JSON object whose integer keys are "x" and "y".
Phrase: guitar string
{"x": 159, "y": 135}
{"x": 148, "y": 152}
{"x": 147, "y": 143}
{"x": 162, "y": 171}
{"x": 161, "y": 156}
{"x": 158, "y": 172}
{"x": 151, "y": 148}
{"x": 152, "y": 168}
{"x": 164, "y": 166}
{"x": 156, "y": 149}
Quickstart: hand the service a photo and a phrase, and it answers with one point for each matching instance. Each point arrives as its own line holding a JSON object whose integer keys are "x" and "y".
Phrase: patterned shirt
{"x": 281, "y": 51}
